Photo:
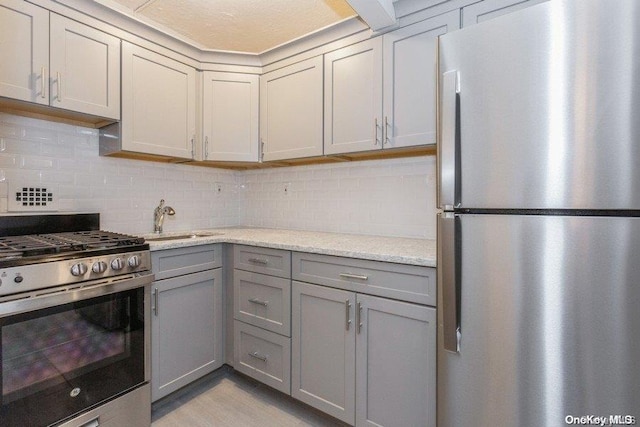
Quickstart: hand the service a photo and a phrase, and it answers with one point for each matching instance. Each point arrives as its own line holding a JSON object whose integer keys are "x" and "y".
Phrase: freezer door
{"x": 544, "y": 105}
{"x": 549, "y": 321}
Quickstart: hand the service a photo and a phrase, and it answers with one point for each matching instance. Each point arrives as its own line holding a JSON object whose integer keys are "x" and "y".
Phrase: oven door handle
{"x": 44, "y": 298}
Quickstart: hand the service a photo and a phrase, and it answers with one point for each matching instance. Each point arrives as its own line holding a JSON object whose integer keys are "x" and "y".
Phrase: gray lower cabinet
{"x": 323, "y": 349}
{"x": 365, "y": 360}
{"x": 186, "y": 320}
{"x": 395, "y": 363}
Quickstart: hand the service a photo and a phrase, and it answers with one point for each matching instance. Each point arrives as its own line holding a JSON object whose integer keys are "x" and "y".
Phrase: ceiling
{"x": 252, "y": 26}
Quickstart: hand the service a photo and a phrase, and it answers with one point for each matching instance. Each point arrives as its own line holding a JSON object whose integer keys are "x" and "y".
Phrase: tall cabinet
{"x": 381, "y": 93}
{"x": 52, "y": 60}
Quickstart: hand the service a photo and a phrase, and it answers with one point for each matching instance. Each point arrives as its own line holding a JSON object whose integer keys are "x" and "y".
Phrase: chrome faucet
{"x": 158, "y": 216}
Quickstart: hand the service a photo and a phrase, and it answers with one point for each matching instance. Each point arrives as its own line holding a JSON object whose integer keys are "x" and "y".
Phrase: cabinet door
{"x": 291, "y": 111}
{"x": 230, "y": 116}
{"x": 396, "y": 363}
{"x": 353, "y": 98}
{"x": 24, "y": 48}
{"x": 158, "y": 104}
{"x": 186, "y": 330}
{"x": 323, "y": 349}
{"x": 85, "y": 69}
{"x": 489, "y": 9}
{"x": 410, "y": 81}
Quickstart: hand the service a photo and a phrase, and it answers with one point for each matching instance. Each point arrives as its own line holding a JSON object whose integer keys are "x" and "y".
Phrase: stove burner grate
{"x": 42, "y": 244}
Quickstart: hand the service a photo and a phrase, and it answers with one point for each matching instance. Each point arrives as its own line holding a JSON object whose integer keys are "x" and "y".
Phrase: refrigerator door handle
{"x": 449, "y": 263}
{"x": 448, "y": 149}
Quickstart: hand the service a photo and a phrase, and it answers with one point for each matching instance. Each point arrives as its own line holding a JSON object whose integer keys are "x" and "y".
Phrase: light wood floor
{"x": 227, "y": 399}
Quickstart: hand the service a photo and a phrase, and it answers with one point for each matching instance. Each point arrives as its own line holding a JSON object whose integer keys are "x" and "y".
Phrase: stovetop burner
{"x": 54, "y": 243}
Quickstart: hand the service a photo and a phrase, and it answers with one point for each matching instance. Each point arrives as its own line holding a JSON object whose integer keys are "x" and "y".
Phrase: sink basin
{"x": 182, "y": 236}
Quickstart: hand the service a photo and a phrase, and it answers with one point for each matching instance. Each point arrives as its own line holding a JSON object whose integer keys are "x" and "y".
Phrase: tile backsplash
{"x": 393, "y": 197}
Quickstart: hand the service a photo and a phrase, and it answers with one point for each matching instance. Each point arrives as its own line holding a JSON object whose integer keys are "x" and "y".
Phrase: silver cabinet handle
{"x": 448, "y": 280}
{"x": 43, "y": 87}
{"x": 353, "y": 276}
{"x": 386, "y": 139}
{"x": 259, "y": 261}
{"x": 193, "y": 147}
{"x": 206, "y": 147}
{"x": 375, "y": 131}
{"x": 448, "y": 142}
{"x": 155, "y": 301}
{"x": 261, "y": 157}
{"x": 347, "y": 309}
{"x": 255, "y": 355}
{"x": 259, "y": 302}
{"x": 359, "y": 317}
{"x": 59, "y": 85}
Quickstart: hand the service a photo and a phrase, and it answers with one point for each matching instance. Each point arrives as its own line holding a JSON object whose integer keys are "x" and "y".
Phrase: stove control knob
{"x": 117, "y": 264}
{"x": 18, "y": 279}
{"x": 99, "y": 267}
{"x": 78, "y": 269}
{"x": 134, "y": 261}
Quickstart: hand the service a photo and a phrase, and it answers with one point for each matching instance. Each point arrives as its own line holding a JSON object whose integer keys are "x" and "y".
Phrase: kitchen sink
{"x": 182, "y": 236}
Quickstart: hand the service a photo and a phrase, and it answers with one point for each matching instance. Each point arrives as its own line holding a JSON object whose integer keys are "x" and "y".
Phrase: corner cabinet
{"x": 58, "y": 62}
{"x": 186, "y": 317}
{"x": 158, "y": 104}
{"x": 291, "y": 111}
{"x": 381, "y": 93}
{"x": 230, "y": 116}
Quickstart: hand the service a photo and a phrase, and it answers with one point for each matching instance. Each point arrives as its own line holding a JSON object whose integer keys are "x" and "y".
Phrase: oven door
{"x": 65, "y": 351}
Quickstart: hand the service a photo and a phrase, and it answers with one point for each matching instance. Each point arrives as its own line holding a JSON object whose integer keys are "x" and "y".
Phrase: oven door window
{"x": 60, "y": 361}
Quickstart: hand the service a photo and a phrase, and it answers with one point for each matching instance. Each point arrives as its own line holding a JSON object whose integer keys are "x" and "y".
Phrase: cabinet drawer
{"x": 399, "y": 281}
{"x": 263, "y": 301}
{"x": 262, "y": 355}
{"x": 274, "y": 262}
{"x": 180, "y": 261}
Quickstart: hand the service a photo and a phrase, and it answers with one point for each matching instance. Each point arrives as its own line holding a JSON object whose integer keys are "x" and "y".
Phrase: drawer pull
{"x": 257, "y": 301}
{"x": 353, "y": 276}
{"x": 259, "y": 261}
{"x": 255, "y": 355}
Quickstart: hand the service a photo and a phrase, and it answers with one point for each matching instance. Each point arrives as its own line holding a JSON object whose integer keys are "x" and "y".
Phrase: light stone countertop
{"x": 389, "y": 249}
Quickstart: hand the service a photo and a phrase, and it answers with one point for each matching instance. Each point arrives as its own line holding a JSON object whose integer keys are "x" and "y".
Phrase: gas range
{"x": 46, "y": 260}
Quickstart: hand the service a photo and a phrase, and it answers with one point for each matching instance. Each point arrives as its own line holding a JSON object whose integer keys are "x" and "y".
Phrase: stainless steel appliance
{"x": 539, "y": 230}
{"x": 74, "y": 323}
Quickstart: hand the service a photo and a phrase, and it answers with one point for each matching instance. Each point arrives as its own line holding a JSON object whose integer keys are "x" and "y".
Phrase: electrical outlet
{"x": 218, "y": 187}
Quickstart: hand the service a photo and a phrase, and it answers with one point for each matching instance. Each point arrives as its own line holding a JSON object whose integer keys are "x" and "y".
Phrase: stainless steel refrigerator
{"x": 539, "y": 229}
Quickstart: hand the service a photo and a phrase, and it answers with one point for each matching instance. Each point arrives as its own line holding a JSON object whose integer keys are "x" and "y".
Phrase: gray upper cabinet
{"x": 409, "y": 89}
{"x": 353, "y": 98}
{"x": 230, "y": 104}
{"x": 489, "y": 9}
{"x": 24, "y": 37}
{"x": 291, "y": 111}
{"x": 158, "y": 105}
{"x": 381, "y": 93}
{"x": 58, "y": 62}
